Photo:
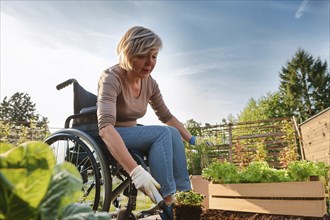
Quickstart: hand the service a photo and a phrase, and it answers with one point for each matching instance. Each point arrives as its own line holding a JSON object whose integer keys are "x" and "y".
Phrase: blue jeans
{"x": 166, "y": 155}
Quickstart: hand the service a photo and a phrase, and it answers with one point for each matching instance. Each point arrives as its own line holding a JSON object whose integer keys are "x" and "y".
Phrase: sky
{"x": 216, "y": 54}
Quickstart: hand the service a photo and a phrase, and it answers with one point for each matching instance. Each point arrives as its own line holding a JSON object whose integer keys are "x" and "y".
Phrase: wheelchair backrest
{"x": 82, "y": 98}
{"x": 84, "y": 107}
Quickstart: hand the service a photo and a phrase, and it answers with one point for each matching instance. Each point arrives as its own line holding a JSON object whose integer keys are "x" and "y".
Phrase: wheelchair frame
{"x": 79, "y": 143}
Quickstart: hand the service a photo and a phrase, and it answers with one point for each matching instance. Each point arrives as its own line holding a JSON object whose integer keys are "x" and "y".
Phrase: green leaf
{"x": 25, "y": 173}
{"x": 19, "y": 209}
{"x": 38, "y": 155}
{"x": 64, "y": 189}
{"x": 30, "y": 187}
{"x": 12, "y": 158}
{"x": 12, "y": 187}
{"x": 189, "y": 198}
{"x": 4, "y": 147}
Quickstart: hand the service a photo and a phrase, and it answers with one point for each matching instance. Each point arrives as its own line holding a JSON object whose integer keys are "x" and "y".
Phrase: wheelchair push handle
{"x": 66, "y": 83}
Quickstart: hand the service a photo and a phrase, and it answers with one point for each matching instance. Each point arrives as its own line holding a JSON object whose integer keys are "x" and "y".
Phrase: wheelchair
{"x": 80, "y": 144}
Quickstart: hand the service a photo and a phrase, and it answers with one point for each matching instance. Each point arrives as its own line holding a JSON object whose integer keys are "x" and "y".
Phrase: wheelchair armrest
{"x": 87, "y": 110}
{"x": 84, "y": 115}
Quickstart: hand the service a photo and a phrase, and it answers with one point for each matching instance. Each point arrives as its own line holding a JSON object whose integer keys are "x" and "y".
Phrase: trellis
{"x": 18, "y": 132}
{"x": 273, "y": 135}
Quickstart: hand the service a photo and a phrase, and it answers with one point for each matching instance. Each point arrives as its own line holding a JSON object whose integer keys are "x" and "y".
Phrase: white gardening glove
{"x": 146, "y": 184}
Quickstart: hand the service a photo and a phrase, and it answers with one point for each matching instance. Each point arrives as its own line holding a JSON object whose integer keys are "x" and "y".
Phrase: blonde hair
{"x": 137, "y": 41}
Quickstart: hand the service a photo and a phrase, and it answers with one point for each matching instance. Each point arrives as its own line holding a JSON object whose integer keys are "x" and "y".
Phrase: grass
{"x": 143, "y": 202}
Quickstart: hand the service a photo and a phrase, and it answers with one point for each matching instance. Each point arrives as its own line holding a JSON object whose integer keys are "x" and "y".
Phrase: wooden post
{"x": 299, "y": 137}
{"x": 230, "y": 142}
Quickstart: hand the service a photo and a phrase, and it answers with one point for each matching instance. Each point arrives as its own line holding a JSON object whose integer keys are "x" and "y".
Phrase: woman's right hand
{"x": 146, "y": 183}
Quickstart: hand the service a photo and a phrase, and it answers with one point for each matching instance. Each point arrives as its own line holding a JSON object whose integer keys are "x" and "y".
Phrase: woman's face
{"x": 144, "y": 64}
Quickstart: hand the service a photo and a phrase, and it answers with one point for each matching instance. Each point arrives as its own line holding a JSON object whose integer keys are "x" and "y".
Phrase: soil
{"x": 215, "y": 214}
{"x": 187, "y": 212}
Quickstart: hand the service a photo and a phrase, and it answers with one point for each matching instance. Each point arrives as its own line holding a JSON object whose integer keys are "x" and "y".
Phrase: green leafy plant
{"x": 198, "y": 157}
{"x": 302, "y": 170}
{"x": 241, "y": 155}
{"x": 261, "y": 172}
{"x": 189, "y": 198}
{"x": 221, "y": 173}
{"x": 288, "y": 154}
{"x": 32, "y": 186}
{"x": 261, "y": 151}
{"x": 188, "y": 205}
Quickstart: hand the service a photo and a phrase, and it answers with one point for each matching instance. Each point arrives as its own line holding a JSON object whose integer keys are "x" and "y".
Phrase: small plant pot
{"x": 187, "y": 212}
{"x": 313, "y": 178}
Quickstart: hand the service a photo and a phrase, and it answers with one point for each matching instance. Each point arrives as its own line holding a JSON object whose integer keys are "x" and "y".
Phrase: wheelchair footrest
{"x": 152, "y": 211}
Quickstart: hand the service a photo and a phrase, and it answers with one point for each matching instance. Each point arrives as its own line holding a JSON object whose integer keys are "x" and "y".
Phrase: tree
{"x": 193, "y": 127}
{"x": 305, "y": 85}
{"x": 251, "y": 112}
{"x": 272, "y": 106}
{"x": 231, "y": 119}
{"x": 19, "y": 121}
{"x": 269, "y": 106}
{"x": 20, "y": 109}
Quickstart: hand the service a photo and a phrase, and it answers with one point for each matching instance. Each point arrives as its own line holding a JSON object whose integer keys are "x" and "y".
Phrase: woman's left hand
{"x": 197, "y": 141}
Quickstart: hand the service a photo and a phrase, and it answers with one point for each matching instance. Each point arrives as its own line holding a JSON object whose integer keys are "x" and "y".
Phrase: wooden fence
{"x": 248, "y": 139}
{"x": 18, "y": 132}
{"x": 315, "y": 137}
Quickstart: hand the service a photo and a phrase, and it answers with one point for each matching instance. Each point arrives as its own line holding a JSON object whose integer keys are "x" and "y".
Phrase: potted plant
{"x": 188, "y": 205}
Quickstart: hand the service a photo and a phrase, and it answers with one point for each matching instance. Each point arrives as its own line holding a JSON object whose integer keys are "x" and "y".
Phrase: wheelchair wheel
{"x": 81, "y": 150}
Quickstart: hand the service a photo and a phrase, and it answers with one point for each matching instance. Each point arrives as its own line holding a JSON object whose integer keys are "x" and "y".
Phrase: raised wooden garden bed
{"x": 287, "y": 198}
{"x": 201, "y": 186}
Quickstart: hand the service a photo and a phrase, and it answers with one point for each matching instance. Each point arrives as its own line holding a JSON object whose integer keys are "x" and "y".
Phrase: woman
{"x": 125, "y": 90}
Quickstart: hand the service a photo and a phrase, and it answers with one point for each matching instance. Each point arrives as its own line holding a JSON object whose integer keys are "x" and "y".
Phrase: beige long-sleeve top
{"x": 116, "y": 105}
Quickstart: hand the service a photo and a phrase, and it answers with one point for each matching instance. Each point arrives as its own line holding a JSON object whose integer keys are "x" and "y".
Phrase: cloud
{"x": 301, "y": 9}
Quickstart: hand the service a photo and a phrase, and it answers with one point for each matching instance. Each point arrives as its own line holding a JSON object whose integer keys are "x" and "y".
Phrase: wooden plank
{"x": 318, "y": 125}
{"x": 312, "y": 208}
{"x": 260, "y": 135}
{"x": 316, "y": 136}
{"x": 323, "y": 148}
{"x": 320, "y": 130}
{"x": 316, "y": 143}
{"x": 313, "y": 189}
{"x": 309, "y": 144}
{"x": 325, "y": 117}
{"x": 318, "y": 156}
